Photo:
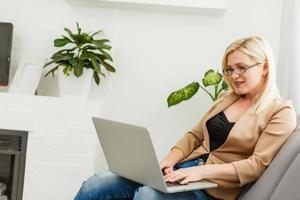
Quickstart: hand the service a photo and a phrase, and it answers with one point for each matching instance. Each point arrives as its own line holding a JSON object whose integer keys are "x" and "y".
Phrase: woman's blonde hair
{"x": 259, "y": 50}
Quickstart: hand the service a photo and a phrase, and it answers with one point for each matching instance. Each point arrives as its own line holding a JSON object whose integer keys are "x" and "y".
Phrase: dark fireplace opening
{"x": 12, "y": 163}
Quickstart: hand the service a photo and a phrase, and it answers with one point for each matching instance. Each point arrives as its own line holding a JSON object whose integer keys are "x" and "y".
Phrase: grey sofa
{"x": 281, "y": 180}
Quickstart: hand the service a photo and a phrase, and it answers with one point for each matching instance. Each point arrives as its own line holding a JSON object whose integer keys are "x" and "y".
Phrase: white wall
{"x": 154, "y": 52}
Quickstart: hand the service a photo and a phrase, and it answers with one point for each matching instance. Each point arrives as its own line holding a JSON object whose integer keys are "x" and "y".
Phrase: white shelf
{"x": 166, "y": 5}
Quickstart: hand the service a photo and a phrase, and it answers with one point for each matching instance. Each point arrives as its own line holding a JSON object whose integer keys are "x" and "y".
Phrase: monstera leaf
{"x": 183, "y": 94}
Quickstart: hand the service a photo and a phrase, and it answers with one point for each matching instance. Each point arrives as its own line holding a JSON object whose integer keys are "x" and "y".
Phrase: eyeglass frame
{"x": 233, "y": 70}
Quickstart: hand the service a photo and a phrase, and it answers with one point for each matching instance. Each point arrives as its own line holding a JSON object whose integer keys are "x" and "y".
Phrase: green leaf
{"x": 211, "y": 78}
{"x": 60, "y": 42}
{"x": 100, "y": 45}
{"x": 82, "y": 39}
{"x": 89, "y": 48}
{"x": 96, "y": 66}
{"x": 78, "y": 28}
{"x": 67, "y": 70}
{"x": 52, "y": 71}
{"x": 108, "y": 67}
{"x": 224, "y": 85}
{"x": 102, "y": 41}
{"x": 78, "y": 69}
{"x": 63, "y": 63}
{"x": 69, "y": 32}
{"x": 91, "y": 55}
{"x": 63, "y": 52}
{"x": 183, "y": 94}
{"x": 73, "y": 61}
{"x": 96, "y": 33}
{"x": 106, "y": 55}
{"x": 58, "y": 58}
{"x": 62, "y": 56}
{"x": 96, "y": 78}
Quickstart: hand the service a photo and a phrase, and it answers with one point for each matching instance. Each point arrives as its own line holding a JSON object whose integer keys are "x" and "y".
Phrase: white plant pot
{"x": 75, "y": 86}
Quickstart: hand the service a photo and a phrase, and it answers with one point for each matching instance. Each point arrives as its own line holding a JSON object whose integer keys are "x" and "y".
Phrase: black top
{"x": 218, "y": 129}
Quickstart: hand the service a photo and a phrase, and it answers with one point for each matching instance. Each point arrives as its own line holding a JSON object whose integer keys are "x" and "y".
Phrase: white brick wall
{"x": 63, "y": 148}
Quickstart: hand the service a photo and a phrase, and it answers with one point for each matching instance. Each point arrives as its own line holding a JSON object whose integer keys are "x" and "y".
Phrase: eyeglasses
{"x": 238, "y": 69}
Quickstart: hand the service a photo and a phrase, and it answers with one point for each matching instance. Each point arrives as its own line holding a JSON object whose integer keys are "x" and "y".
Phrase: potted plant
{"x": 211, "y": 78}
{"x": 82, "y": 57}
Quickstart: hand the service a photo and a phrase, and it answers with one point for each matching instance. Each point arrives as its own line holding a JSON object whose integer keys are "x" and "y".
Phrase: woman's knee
{"x": 106, "y": 186}
{"x": 93, "y": 185}
{"x": 146, "y": 193}
{"x": 85, "y": 189}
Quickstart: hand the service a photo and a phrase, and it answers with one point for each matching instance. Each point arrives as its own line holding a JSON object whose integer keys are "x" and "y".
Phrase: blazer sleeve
{"x": 274, "y": 135}
{"x": 191, "y": 140}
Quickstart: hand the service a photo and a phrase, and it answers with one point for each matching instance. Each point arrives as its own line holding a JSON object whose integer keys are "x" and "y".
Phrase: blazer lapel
{"x": 220, "y": 106}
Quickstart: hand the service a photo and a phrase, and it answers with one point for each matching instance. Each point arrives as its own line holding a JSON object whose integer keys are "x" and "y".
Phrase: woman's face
{"x": 250, "y": 82}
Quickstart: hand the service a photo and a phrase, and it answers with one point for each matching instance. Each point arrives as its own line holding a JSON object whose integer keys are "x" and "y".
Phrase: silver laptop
{"x": 129, "y": 152}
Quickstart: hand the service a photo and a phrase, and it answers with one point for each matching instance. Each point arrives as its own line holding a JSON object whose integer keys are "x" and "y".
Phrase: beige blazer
{"x": 250, "y": 146}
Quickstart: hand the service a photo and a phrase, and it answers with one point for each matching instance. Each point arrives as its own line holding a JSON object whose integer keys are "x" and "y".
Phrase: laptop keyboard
{"x": 172, "y": 184}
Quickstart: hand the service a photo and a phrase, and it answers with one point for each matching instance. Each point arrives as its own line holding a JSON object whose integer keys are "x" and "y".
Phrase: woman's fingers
{"x": 170, "y": 175}
{"x": 184, "y": 176}
{"x": 175, "y": 176}
{"x": 166, "y": 167}
{"x": 186, "y": 180}
{"x": 168, "y": 170}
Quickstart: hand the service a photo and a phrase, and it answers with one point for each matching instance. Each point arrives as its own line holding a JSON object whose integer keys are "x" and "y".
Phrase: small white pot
{"x": 75, "y": 86}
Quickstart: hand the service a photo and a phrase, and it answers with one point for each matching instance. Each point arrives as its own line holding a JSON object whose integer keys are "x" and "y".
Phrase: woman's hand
{"x": 166, "y": 166}
{"x": 185, "y": 175}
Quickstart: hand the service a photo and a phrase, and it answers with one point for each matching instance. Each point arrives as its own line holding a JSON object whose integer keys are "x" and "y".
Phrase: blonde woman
{"x": 231, "y": 145}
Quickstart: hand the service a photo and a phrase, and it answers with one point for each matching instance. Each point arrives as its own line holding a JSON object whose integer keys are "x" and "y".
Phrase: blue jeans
{"x": 109, "y": 186}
